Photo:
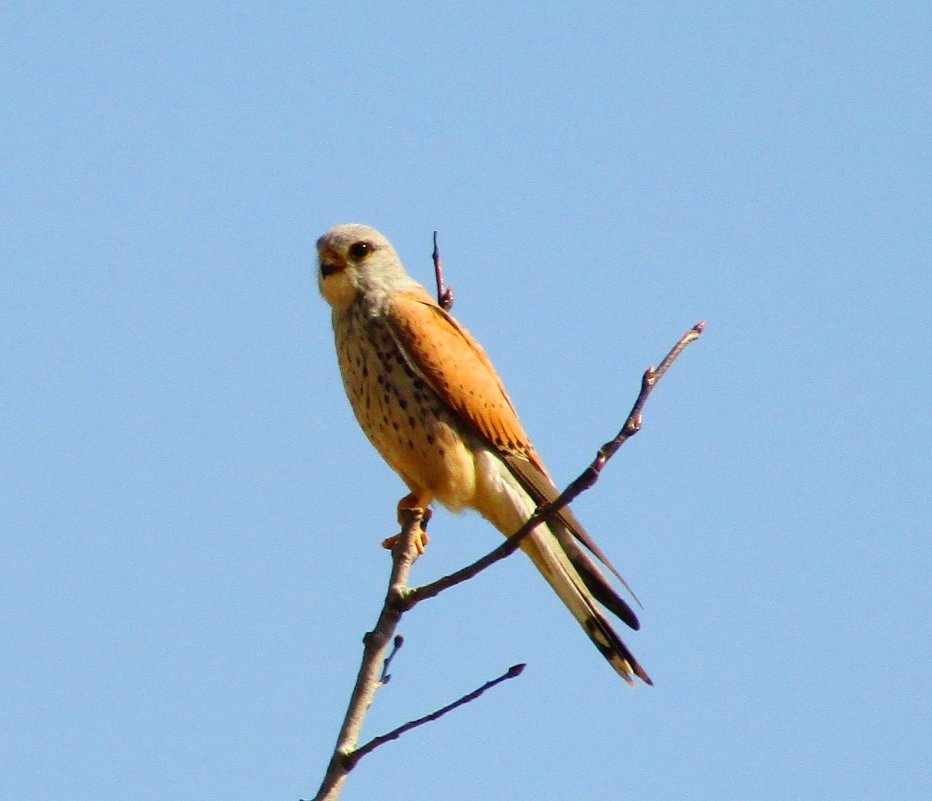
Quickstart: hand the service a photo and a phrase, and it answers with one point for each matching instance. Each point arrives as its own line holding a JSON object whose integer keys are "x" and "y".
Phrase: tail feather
{"x": 507, "y": 499}
{"x": 573, "y": 589}
{"x": 568, "y": 530}
{"x": 593, "y": 578}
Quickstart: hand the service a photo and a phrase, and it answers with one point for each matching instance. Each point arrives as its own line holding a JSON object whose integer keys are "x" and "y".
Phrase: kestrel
{"x": 429, "y": 400}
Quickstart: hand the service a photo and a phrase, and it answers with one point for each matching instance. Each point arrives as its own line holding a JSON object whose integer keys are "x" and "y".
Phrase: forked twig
{"x": 375, "y": 643}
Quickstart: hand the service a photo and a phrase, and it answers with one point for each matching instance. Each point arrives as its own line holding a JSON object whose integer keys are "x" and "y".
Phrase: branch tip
{"x": 354, "y": 757}
{"x": 444, "y": 293}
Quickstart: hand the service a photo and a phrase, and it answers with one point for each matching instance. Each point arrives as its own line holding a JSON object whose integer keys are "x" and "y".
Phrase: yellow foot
{"x": 406, "y": 504}
{"x": 420, "y": 541}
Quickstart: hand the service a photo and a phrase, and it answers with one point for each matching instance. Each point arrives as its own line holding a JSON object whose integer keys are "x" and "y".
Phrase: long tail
{"x": 508, "y": 492}
{"x": 557, "y": 566}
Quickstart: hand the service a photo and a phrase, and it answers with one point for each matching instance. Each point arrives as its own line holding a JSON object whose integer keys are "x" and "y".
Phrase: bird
{"x": 430, "y": 401}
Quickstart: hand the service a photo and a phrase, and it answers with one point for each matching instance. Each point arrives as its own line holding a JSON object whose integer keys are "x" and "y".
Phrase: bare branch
{"x": 512, "y": 672}
{"x": 375, "y": 646}
{"x": 400, "y": 597}
{"x": 583, "y": 482}
{"x": 444, "y": 293}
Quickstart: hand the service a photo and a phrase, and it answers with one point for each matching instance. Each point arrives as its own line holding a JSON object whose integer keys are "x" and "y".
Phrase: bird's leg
{"x": 413, "y": 501}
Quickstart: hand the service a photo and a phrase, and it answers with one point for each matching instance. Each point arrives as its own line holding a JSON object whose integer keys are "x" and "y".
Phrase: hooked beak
{"x": 330, "y": 263}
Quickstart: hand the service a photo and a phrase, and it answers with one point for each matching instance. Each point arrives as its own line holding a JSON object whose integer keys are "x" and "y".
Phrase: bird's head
{"x": 357, "y": 260}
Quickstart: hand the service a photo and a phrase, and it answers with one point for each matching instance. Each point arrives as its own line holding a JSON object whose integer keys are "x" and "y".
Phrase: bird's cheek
{"x": 338, "y": 289}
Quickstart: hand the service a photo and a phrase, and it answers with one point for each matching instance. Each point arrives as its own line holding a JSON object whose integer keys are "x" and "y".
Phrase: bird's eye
{"x": 359, "y": 250}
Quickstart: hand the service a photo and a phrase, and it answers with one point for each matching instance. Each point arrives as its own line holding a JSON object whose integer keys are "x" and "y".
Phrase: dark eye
{"x": 359, "y": 250}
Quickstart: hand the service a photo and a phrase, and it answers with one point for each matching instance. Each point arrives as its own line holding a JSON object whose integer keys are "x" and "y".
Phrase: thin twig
{"x": 396, "y": 647}
{"x": 394, "y": 734}
{"x": 633, "y": 423}
{"x": 444, "y": 293}
{"x": 583, "y": 482}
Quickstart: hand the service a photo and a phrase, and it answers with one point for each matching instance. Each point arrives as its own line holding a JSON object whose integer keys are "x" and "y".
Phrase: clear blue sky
{"x": 191, "y": 518}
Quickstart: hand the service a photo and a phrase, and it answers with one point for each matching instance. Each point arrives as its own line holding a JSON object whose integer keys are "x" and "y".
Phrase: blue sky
{"x": 191, "y": 517}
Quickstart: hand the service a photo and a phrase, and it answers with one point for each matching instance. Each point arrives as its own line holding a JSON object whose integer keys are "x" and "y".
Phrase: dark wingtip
{"x": 626, "y": 614}
{"x": 642, "y": 675}
{"x": 602, "y": 590}
{"x": 614, "y": 650}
